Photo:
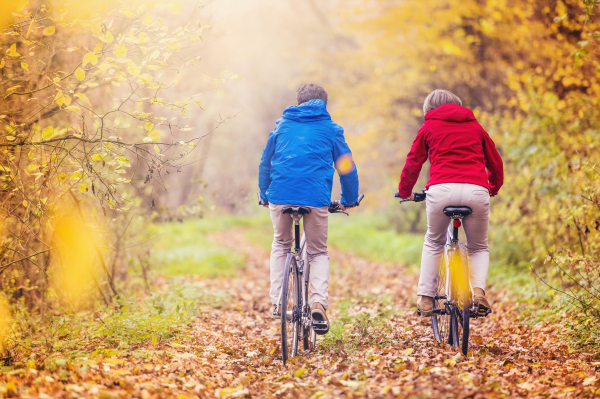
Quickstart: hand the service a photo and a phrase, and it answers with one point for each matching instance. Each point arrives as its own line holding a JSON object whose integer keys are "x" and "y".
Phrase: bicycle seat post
{"x": 457, "y": 213}
{"x": 296, "y": 212}
{"x": 297, "y": 231}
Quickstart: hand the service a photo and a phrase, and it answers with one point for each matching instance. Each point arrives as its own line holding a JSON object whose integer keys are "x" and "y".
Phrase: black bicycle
{"x": 297, "y": 324}
{"x": 453, "y": 305}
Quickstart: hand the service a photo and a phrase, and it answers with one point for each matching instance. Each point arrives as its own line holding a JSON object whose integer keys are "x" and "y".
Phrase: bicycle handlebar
{"x": 334, "y": 207}
{"x": 418, "y": 197}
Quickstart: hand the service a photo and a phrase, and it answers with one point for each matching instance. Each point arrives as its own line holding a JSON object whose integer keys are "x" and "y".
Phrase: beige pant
{"x": 315, "y": 228}
{"x": 475, "y": 227}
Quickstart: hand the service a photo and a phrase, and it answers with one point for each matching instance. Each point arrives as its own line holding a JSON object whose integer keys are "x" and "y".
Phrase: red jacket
{"x": 459, "y": 151}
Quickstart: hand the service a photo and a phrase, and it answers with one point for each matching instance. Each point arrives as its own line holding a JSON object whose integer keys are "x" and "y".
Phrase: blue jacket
{"x": 297, "y": 163}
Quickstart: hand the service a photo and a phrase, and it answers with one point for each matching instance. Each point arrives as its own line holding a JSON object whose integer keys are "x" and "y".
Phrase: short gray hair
{"x": 311, "y": 92}
{"x": 439, "y": 97}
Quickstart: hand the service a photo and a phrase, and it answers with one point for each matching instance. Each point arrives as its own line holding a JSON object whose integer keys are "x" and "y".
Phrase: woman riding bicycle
{"x": 459, "y": 151}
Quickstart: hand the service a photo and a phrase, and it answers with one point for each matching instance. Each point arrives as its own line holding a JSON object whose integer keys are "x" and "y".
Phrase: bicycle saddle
{"x": 461, "y": 211}
{"x": 296, "y": 210}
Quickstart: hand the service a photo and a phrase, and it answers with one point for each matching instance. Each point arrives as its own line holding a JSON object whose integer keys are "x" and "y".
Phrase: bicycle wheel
{"x": 458, "y": 288}
{"x": 307, "y": 333}
{"x": 290, "y": 322}
{"x": 464, "y": 290}
{"x": 290, "y": 300}
{"x": 440, "y": 323}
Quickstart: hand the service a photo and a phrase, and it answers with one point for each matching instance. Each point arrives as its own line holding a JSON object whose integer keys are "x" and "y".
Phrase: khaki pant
{"x": 315, "y": 228}
{"x": 475, "y": 226}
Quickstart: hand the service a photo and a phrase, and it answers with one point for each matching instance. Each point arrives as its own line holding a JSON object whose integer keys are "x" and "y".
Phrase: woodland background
{"x": 121, "y": 121}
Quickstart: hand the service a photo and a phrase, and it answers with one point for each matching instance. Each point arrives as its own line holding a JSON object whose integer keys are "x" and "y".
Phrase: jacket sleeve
{"x": 414, "y": 161}
{"x": 264, "y": 169}
{"x": 493, "y": 163}
{"x": 346, "y": 168}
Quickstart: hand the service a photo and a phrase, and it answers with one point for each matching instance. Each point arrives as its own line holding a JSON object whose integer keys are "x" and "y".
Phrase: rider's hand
{"x": 266, "y": 206}
{"x": 342, "y": 207}
{"x": 411, "y": 198}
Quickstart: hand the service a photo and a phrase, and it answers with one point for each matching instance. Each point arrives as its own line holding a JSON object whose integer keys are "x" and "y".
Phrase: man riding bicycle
{"x": 459, "y": 151}
{"x": 296, "y": 168}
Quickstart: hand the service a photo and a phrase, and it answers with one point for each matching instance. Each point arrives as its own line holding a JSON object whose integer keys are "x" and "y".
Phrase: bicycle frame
{"x": 303, "y": 270}
{"x": 450, "y": 252}
{"x": 300, "y": 267}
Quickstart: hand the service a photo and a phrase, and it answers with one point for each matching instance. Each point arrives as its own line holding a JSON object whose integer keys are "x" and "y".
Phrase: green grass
{"x": 349, "y": 331}
{"x": 370, "y": 236}
{"x": 362, "y": 234}
{"x": 188, "y": 248}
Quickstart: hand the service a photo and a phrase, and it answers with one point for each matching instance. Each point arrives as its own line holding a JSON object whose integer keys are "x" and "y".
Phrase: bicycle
{"x": 453, "y": 305}
{"x": 297, "y": 324}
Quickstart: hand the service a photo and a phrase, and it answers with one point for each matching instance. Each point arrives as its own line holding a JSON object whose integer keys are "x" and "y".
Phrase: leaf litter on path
{"x": 378, "y": 348}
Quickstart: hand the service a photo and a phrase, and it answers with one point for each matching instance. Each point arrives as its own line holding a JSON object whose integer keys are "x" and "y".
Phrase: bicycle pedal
{"x": 320, "y": 326}
{"x": 485, "y": 312}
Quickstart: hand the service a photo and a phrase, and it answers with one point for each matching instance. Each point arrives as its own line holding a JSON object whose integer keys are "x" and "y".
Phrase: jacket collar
{"x": 313, "y": 110}
{"x": 451, "y": 113}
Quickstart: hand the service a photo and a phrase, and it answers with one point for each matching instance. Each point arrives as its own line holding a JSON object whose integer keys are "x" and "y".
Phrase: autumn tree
{"x": 530, "y": 71}
{"x": 92, "y": 116}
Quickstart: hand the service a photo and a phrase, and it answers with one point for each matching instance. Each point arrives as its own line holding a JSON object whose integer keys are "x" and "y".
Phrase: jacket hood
{"x": 451, "y": 113}
{"x": 313, "y": 110}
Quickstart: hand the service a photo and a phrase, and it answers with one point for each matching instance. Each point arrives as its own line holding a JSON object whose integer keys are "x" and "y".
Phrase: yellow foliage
{"x": 120, "y": 51}
{"x": 49, "y": 31}
{"x": 58, "y": 57}
{"x": 6, "y": 322}
{"x": 76, "y": 243}
{"x": 8, "y": 9}
{"x": 528, "y": 69}
{"x": 80, "y": 74}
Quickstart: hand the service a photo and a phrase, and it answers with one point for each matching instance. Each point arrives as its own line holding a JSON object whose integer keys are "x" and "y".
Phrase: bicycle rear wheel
{"x": 307, "y": 332}
{"x": 440, "y": 323}
{"x": 465, "y": 321}
{"x": 290, "y": 302}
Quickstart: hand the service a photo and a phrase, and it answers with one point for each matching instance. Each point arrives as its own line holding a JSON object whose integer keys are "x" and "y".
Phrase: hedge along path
{"x": 385, "y": 350}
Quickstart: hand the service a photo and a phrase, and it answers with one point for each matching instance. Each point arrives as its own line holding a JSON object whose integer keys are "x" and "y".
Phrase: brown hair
{"x": 311, "y": 92}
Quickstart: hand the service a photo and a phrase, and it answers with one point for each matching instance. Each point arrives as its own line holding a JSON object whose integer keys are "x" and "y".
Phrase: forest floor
{"x": 377, "y": 347}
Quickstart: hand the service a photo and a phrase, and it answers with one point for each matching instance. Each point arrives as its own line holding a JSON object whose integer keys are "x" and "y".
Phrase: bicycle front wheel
{"x": 290, "y": 301}
{"x": 440, "y": 321}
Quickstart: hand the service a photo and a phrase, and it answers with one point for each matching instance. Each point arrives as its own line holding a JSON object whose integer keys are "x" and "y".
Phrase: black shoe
{"x": 320, "y": 322}
{"x": 276, "y": 314}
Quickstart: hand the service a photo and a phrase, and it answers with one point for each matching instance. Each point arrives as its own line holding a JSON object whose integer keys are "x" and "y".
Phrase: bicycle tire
{"x": 307, "y": 334}
{"x": 466, "y": 317}
{"x": 465, "y": 299}
{"x": 455, "y": 327}
{"x": 440, "y": 323}
{"x": 454, "y": 264}
{"x": 289, "y": 300}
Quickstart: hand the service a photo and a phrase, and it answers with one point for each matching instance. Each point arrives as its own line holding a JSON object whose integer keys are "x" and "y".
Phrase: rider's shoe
{"x": 276, "y": 314}
{"x": 479, "y": 297}
{"x": 425, "y": 306}
{"x": 319, "y": 319}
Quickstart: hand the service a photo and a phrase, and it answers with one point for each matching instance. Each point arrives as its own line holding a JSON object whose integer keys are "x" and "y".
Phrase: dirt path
{"x": 385, "y": 350}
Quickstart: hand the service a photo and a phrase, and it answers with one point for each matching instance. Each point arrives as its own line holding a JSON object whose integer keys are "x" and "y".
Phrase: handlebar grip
{"x": 357, "y": 203}
{"x": 397, "y": 195}
{"x": 334, "y": 207}
{"x": 420, "y": 196}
